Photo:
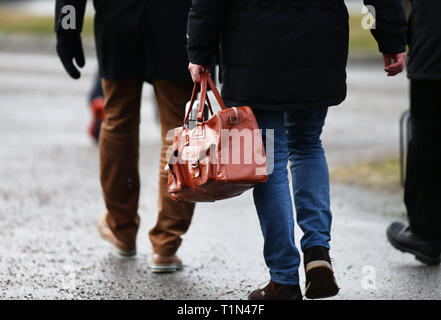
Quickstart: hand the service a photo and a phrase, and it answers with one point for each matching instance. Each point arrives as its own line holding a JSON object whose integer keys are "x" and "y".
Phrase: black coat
{"x": 144, "y": 38}
{"x": 425, "y": 40}
{"x": 284, "y": 54}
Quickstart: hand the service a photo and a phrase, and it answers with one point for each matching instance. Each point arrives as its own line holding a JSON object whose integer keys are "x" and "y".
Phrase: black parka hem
{"x": 286, "y": 106}
{"x": 423, "y": 76}
{"x": 118, "y": 76}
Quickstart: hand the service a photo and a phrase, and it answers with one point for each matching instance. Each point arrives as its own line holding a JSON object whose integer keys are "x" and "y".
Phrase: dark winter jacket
{"x": 144, "y": 38}
{"x": 425, "y": 40}
{"x": 284, "y": 54}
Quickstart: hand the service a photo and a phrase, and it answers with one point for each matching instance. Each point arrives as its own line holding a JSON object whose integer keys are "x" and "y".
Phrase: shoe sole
{"x": 119, "y": 252}
{"x": 123, "y": 254}
{"x": 322, "y": 282}
{"x": 165, "y": 269}
{"x": 418, "y": 256}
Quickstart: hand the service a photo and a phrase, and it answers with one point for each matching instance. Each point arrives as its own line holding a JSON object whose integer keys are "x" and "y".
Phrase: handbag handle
{"x": 196, "y": 89}
{"x": 206, "y": 80}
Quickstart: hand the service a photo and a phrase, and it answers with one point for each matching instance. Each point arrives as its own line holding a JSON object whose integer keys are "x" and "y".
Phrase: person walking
{"x": 422, "y": 235}
{"x": 287, "y": 59}
{"x": 136, "y": 41}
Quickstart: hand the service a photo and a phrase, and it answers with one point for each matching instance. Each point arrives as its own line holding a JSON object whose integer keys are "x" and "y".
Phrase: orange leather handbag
{"x": 219, "y": 158}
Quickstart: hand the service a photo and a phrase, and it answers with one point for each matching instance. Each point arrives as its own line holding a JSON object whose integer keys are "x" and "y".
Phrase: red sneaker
{"x": 97, "y": 108}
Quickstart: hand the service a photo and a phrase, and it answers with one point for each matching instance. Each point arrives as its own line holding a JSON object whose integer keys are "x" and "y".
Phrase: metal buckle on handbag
{"x": 234, "y": 120}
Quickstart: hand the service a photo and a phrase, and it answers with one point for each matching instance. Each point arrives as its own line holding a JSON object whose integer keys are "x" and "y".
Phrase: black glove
{"x": 70, "y": 47}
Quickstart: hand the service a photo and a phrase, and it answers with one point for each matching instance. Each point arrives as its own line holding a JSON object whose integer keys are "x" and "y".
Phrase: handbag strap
{"x": 216, "y": 93}
{"x": 206, "y": 80}
{"x": 192, "y": 101}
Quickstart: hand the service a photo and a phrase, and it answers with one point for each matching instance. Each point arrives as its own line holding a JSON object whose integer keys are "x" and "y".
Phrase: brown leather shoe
{"x": 121, "y": 248}
{"x": 320, "y": 280}
{"x": 274, "y": 291}
{"x": 163, "y": 264}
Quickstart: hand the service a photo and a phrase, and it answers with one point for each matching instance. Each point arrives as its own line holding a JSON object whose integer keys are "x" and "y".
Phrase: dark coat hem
{"x": 149, "y": 79}
{"x": 423, "y": 76}
{"x": 287, "y": 106}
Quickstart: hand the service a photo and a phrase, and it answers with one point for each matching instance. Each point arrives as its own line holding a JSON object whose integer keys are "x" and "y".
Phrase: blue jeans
{"x": 297, "y": 138}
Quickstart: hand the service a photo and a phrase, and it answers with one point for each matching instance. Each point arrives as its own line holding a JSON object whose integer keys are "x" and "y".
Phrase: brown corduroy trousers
{"x": 119, "y": 154}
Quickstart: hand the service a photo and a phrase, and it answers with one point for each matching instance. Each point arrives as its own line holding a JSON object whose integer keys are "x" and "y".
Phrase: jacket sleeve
{"x": 391, "y": 25}
{"x": 205, "y": 23}
{"x": 80, "y": 8}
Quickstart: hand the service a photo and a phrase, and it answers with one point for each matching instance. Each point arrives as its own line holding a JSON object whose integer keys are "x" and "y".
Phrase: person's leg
{"x": 97, "y": 88}
{"x": 96, "y": 102}
{"x": 274, "y": 205}
{"x": 422, "y": 237}
{"x": 174, "y": 218}
{"x": 310, "y": 177}
{"x": 423, "y": 176}
{"x": 119, "y": 144}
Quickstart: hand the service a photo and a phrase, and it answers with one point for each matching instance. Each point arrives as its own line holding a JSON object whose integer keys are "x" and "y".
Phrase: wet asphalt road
{"x": 50, "y": 199}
